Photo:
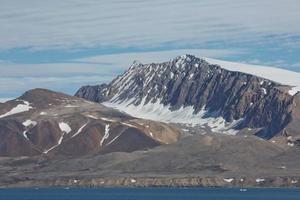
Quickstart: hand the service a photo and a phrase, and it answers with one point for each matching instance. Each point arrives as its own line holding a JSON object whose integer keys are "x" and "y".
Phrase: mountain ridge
{"x": 43, "y": 122}
{"x": 214, "y": 92}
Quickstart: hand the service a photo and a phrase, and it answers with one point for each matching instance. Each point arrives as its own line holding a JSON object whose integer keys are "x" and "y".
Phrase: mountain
{"x": 186, "y": 122}
{"x": 225, "y": 97}
{"x": 43, "y": 122}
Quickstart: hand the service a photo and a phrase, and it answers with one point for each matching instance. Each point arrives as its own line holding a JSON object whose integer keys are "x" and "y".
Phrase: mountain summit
{"x": 192, "y": 91}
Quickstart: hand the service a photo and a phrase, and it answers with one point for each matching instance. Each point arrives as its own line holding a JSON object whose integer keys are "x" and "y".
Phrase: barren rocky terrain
{"x": 198, "y": 160}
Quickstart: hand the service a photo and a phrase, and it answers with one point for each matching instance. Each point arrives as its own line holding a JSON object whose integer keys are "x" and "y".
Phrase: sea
{"x": 149, "y": 194}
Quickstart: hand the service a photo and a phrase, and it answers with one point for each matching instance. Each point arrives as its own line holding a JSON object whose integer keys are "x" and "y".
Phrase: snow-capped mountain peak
{"x": 221, "y": 96}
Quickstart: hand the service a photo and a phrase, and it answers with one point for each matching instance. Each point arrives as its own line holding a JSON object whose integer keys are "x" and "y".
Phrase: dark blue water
{"x": 149, "y": 194}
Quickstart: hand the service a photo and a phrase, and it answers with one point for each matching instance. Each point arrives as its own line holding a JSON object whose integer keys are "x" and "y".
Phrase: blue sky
{"x": 62, "y": 45}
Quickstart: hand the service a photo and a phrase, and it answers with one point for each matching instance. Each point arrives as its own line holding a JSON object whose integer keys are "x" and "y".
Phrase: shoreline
{"x": 146, "y": 182}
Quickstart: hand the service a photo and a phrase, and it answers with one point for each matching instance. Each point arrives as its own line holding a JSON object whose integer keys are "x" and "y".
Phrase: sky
{"x": 62, "y": 45}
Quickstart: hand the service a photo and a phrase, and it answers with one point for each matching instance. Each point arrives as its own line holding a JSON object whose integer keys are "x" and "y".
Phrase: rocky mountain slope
{"x": 42, "y": 122}
{"x": 192, "y": 91}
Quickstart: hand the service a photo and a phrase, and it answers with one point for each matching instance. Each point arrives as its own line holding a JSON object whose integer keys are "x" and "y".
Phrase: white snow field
{"x": 65, "y": 127}
{"x": 282, "y": 76}
{"x": 25, "y": 106}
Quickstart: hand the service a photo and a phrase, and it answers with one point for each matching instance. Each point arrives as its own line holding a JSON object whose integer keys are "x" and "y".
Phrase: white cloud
{"x": 142, "y": 23}
{"x": 14, "y": 87}
{"x": 55, "y": 69}
{"x": 124, "y": 60}
{"x": 68, "y": 77}
{"x": 296, "y": 65}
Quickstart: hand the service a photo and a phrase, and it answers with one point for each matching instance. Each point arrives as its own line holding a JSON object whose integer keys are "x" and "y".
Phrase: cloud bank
{"x": 69, "y": 76}
{"x": 48, "y": 28}
{"x": 139, "y": 23}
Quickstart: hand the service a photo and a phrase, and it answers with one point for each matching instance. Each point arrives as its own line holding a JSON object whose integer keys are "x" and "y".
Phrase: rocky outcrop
{"x": 95, "y": 93}
{"x": 187, "y": 81}
{"x": 43, "y": 122}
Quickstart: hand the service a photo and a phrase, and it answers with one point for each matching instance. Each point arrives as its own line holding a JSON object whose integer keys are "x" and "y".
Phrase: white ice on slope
{"x": 282, "y": 76}
{"x": 65, "y": 127}
{"x": 108, "y": 120}
{"x": 127, "y": 124}
{"x": 185, "y": 115}
{"x": 91, "y": 116}
{"x": 18, "y": 109}
{"x": 25, "y": 135}
{"x": 114, "y": 139}
{"x": 106, "y": 134}
{"x": 29, "y": 122}
{"x": 70, "y": 106}
{"x": 259, "y": 180}
{"x": 132, "y": 180}
{"x": 151, "y": 134}
{"x": 79, "y": 130}
{"x": 228, "y": 180}
{"x": 58, "y": 143}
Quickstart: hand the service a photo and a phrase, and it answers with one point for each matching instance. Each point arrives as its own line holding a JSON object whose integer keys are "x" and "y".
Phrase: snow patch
{"x": 70, "y": 106}
{"x": 58, "y": 143}
{"x": 185, "y": 115}
{"x": 79, "y": 130}
{"x": 114, "y": 139}
{"x": 106, "y": 134}
{"x": 290, "y": 144}
{"x": 127, "y": 124}
{"x": 294, "y": 181}
{"x": 91, "y": 116}
{"x": 151, "y": 134}
{"x": 259, "y": 180}
{"x": 264, "y": 90}
{"x": 18, "y": 109}
{"x": 271, "y": 73}
{"x": 132, "y": 180}
{"x": 29, "y": 122}
{"x": 43, "y": 113}
{"x": 228, "y": 180}
{"x": 25, "y": 135}
{"x": 64, "y": 127}
{"x": 107, "y": 119}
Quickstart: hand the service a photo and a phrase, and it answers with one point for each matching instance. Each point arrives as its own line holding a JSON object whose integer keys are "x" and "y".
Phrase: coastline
{"x": 147, "y": 182}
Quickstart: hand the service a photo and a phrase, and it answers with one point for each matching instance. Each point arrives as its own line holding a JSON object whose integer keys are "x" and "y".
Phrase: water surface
{"x": 149, "y": 194}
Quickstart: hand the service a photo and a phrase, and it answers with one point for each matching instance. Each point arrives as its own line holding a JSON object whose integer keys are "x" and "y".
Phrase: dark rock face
{"x": 189, "y": 81}
{"x": 93, "y": 93}
{"x": 11, "y": 143}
